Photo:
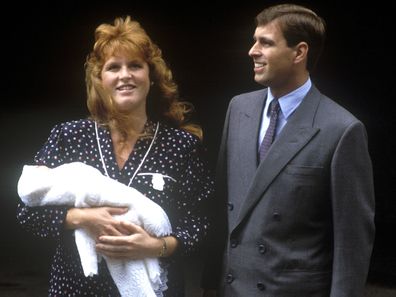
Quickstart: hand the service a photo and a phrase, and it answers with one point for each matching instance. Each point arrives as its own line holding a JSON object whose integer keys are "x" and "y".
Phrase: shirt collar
{"x": 289, "y": 102}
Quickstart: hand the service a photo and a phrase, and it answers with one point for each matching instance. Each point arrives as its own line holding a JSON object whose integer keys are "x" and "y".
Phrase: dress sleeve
{"x": 196, "y": 193}
{"x": 54, "y": 151}
{"x": 46, "y": 221}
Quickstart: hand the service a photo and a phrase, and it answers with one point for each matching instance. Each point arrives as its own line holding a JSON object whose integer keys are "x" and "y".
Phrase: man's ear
{"x": 301, "y": 52}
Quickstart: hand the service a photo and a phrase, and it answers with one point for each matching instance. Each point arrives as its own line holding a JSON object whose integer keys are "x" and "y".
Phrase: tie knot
{"x": 274, "y": 107}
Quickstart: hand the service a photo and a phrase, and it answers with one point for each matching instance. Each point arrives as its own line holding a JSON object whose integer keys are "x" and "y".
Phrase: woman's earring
{"x": 152, "y": 83}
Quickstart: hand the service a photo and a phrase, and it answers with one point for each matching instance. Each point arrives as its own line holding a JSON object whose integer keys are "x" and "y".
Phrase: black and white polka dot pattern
{"x": 175, "y": 154}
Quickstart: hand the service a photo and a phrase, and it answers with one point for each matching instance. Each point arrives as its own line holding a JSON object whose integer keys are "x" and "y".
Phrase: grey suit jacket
{"x": 301, "y": 224}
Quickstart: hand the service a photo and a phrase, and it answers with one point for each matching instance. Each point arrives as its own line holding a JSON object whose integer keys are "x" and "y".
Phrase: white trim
{"x": 141, "y": 163}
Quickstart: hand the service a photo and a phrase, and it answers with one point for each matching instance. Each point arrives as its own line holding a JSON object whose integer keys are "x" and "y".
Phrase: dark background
{"x": 44, "y": 46}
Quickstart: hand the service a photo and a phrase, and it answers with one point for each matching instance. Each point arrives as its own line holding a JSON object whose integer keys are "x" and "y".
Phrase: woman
{"x": 137, "y": 134}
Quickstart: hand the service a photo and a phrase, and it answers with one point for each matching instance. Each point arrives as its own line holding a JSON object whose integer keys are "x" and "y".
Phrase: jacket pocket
{"x": 303, "y": 170}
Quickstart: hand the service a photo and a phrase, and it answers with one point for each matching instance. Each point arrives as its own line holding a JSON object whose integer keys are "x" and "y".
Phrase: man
{"x": 301, "y": 213}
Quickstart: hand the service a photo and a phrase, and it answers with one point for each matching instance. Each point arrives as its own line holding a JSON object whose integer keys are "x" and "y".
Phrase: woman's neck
{"x": 124, "y": 139}
{"x": 128, "y": 126}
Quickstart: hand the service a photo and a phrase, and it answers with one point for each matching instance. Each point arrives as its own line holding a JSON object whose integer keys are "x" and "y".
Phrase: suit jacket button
{"x": 260, "y": 286}
{"x": 234, "y": 243}
{"x": 276, "y": 215}
{"x": 262, "y": 249}
{"x": 230, "y": 206}
{"x": 229, "y": 278}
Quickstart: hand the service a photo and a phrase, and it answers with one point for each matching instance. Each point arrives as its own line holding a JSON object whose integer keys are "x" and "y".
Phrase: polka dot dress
{"x": 188, "y": 185}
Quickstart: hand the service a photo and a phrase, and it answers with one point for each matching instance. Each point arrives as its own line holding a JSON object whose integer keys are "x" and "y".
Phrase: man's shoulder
{"x": 335, "y": 110}
{"x": 330, "y": 110}
{"x": 249, "y": 97}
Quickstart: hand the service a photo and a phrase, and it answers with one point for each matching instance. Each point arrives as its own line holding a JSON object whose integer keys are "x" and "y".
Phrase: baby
{"x": 80, "y": 185}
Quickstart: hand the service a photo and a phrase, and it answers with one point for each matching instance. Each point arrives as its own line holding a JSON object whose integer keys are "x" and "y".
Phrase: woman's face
{"x": 128, "y": 82}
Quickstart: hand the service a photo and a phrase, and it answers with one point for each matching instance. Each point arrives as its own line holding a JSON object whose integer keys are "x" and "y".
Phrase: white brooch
{"x": 157, "y": 180}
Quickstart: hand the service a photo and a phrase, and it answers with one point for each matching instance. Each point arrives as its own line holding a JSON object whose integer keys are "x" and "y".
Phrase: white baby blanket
{"x": 81, "y": 185}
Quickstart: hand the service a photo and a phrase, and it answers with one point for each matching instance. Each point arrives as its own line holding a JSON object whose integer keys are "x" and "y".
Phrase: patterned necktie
{"x": 270, "y": 133}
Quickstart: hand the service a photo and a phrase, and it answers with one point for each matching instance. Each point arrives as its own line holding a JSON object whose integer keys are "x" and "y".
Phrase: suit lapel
{"x": 294, "y": 136}
{"x": 249, "y": 125}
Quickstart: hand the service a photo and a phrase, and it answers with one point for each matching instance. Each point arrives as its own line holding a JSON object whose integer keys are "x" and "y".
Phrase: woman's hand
{"x": 96, "y": 220}
{"x": 137, "y": 245}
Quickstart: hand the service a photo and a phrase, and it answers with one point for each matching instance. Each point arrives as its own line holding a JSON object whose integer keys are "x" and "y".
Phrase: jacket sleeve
{"x": 352, "y": 194}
